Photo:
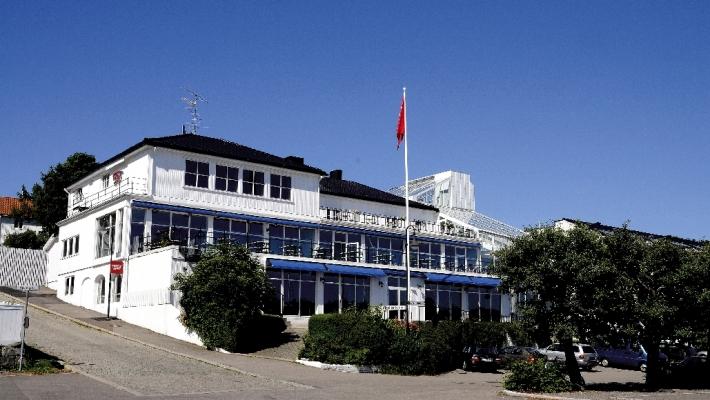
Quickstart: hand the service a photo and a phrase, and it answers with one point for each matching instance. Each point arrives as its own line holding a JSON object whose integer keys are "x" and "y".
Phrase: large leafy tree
{"x": 223, "y": 296}
{"x": 554, "y": 265}
{"x": 48, "y": 198}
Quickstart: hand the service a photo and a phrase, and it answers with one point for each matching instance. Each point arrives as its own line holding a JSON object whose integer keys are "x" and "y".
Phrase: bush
{"x": 353, "y": 337}
{"x": 537, "y": 377}
{"x": 223, "y": 297}
{"x": 485, "y": 333}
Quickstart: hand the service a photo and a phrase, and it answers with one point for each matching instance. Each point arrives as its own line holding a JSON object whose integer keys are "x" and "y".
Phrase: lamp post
{"x": 409, "y": 277}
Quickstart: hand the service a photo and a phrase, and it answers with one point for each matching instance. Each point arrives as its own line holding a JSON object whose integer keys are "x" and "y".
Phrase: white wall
{"x": 168, "y": 186}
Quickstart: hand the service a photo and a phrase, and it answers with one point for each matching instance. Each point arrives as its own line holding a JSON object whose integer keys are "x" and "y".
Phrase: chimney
{"x": 336, "y": 174}
{"x": 293, "y": 160}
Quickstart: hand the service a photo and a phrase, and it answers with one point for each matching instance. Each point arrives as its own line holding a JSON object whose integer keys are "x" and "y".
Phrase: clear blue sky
{"x": 585, "y": 109}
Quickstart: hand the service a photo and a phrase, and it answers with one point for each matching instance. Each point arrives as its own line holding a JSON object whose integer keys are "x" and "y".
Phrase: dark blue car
{"x": 632, "y": 356}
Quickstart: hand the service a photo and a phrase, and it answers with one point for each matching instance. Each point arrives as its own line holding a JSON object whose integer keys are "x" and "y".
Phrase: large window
{"x": 187, "y": 229}
{"x": 253, "y": 183}
{"x": 341, "y": 292}
{"x": 137, "y": 229}
{"x": 484, "y": 304}
{"x": 443, "y": 301}
{"x": 227, "y": 178}
{"x": 381, "y": 250}
{"x": 346, "y": 246}
{"x": 116, "y": 282}
{"x": 280, "y": 187}
{"x": 295, "y": 292}
{"x": 105, "y": 227}
{"x": 426, "y": 255}
{"x": 197, "y": 174}
{"x": 460, "y": 258}
{"x": 291, "y": 240}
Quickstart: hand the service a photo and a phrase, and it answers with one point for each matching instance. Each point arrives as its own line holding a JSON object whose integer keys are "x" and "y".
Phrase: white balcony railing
{"x": 127, "y": 186}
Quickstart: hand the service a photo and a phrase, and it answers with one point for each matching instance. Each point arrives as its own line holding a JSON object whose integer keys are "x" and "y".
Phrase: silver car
{"x": 587, "y": 358}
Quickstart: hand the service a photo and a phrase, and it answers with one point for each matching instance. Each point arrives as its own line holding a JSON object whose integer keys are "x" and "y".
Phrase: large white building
{"x": 326, "y": 243}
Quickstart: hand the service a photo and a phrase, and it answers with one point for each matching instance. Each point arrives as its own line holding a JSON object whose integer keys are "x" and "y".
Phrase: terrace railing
{"x": 127, "y": 186}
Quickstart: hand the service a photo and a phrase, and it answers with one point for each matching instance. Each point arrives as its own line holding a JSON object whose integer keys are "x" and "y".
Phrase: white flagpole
{"x": 406, "y": 207}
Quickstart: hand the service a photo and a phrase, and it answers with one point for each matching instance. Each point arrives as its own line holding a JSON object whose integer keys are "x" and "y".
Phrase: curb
{"x": 175, "y": 353}
{"x": 538, "y": 396}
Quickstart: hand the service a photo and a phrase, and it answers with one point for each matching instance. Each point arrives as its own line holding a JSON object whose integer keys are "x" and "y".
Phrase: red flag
{"x": 402, "y": 122}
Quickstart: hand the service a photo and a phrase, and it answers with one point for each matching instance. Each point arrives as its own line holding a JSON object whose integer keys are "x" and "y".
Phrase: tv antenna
{"x": 191, "y": 102}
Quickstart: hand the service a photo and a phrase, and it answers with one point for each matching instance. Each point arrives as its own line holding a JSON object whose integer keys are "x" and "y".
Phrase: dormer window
{"x": 253, "y": 183}
{"x": 197, "y": 174}
{"x": 280, "y": 187}
{"x": 227, "y": 178}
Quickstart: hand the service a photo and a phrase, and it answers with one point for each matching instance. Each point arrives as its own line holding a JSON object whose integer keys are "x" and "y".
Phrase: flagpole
{"x": 406, "y": 207}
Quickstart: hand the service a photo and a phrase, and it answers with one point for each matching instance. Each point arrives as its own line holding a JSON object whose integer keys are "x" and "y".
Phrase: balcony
{"x": 127, "y": 186}
{"x": 192, "y": 246}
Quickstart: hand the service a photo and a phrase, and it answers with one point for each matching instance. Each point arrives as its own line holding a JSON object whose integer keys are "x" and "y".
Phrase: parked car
{"x": 481, "y": 358}
{"x": 587, "y": 358}
{"x": 632, "y": 355}
{"x": 511, "y": 354}
{"x": 694, "y": 370}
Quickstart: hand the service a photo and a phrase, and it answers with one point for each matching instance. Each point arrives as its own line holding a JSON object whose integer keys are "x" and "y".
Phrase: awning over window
{"x": 397, "y": 272}
{"x": 349, "y": 270}
{"x": 485, "y": 281}
{"x": 296, "y": 265}
{"x": 463, "y": 280}
{"x": 447, "y": 278}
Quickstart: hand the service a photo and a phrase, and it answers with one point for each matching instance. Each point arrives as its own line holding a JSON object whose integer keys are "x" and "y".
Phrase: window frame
{"x": 227, "y": 179}
{"x": 277, "y": 187}
{"x": 252, "y": 183}
{"x": 198, "y": 173}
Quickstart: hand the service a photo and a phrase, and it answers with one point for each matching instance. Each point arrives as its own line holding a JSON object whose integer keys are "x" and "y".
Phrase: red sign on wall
{"x": 117, "y": 267}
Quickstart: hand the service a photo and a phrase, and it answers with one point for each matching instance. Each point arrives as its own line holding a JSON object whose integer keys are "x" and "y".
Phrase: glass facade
{"x": 341, "y": 292}
{"x": 295, "y": 292}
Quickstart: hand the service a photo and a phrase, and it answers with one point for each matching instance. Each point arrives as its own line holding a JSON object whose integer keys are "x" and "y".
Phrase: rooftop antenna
{"x": 191, "y": 102}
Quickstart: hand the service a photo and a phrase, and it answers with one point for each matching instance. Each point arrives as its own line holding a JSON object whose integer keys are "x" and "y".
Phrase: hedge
{"x": 364, "y": 338}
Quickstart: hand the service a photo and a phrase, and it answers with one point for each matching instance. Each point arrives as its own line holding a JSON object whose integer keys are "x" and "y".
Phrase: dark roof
{"x": 354, "y": 190}
{"x": 219, "y": 148}
{"x": 606, "y": 229}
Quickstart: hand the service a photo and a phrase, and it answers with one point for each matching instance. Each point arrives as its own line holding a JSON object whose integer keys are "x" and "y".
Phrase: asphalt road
{"x": 109, "y": 367}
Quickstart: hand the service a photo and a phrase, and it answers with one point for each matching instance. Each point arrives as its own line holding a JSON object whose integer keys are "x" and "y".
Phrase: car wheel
{"x": 642, "y": 367}
{"x": 604, "y": 362}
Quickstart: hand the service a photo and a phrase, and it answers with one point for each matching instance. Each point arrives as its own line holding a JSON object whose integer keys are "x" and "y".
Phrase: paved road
{"x": 117, "y": 368}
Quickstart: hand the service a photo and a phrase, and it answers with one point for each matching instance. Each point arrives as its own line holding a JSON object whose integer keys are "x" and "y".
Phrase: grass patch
{"x": 35, "y": 362}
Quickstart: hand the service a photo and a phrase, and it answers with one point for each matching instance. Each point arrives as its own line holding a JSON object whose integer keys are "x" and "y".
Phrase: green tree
{"x": 223, "y": 296}
{"x": 25, "y": 240}
{"x": 49, "y": 200}
{"x": 554, "y": 265}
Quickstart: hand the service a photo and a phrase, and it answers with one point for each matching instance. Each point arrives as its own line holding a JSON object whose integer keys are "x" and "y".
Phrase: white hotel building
{"x": 326, "y": 243}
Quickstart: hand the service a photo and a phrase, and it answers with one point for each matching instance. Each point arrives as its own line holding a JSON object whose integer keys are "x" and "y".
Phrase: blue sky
{"x": 591, "y": 110}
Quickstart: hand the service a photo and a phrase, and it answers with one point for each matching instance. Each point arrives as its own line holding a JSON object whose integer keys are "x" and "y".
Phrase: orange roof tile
{"x": 7, "y": 204}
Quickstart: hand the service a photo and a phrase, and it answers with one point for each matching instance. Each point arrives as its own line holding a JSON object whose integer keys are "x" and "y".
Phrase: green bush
{"x": 222, "y": 299}
{"x": 353, "y": 337}
{"x": 536, "y": 377}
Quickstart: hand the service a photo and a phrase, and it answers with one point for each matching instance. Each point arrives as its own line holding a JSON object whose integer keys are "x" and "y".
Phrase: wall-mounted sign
{"x": 116, "y": 267}
{"x": 117, "y": 177}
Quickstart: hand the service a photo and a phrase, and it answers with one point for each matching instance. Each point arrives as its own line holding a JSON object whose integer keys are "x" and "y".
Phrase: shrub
{"x": 223, "y": 297}
{"x": 484, "y": 333}
{"x": 536, "y": 377}
{"x": 353, "y": 337}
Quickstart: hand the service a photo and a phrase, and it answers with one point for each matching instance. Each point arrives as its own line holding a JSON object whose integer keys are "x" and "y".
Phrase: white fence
{"x": 22, "y": 268}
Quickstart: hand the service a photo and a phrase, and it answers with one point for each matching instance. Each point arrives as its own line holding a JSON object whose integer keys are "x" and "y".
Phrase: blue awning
{"x": 296, "y": 265}
{"x": 485, "y": 281}
{"x": 399, "y": 272}
{"x": 346, "y": 269}
{"x": 447, "y": 278}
